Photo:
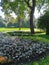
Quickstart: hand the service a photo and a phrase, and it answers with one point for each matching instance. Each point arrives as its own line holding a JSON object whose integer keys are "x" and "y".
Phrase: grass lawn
{"x": 38, "y": 37}
{"x": 17, "y": 29}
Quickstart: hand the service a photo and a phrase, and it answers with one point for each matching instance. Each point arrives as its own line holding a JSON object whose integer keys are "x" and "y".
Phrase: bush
{"x": 43, "y": 22}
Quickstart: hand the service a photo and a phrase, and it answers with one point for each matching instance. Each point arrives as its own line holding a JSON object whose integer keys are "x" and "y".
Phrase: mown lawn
{"x": 17, "y": 29}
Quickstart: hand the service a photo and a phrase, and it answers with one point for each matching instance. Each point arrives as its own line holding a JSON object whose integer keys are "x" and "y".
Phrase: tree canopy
{"x": 20, "y": 6}
{"x": 43, "y": 22}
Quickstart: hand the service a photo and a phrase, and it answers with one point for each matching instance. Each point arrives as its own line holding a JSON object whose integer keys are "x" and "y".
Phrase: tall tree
{"x": 19, "y": 6}
{"x": 32, "y": 8}
{"x": 43, "y": 22}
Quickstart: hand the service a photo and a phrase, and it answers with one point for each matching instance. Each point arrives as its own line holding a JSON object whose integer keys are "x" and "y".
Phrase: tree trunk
{"x": 19, "y": 22}
{"x": 47, "y": 31}
{"x": 32, "y": 16}
{"x": 32, "y": 8}
{"x": 31, "y": 22}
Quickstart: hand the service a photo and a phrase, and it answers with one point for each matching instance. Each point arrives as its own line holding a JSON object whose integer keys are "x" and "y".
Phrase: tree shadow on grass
{"x": 44, "y": 36}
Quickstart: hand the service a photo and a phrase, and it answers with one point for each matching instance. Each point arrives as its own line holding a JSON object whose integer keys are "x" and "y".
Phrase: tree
{"x": 32, "y": 8}
{"x": 43, "y": 22}
{"x": 1, "y": 22}
{"x": 19, "y": 6}
{"x": 6, "y": 19}
{"x": 19, "y": 22}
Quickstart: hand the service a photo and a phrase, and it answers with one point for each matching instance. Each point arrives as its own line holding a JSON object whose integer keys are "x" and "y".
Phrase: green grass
{"x": 8, "y": 29}
{"x": 42, "y": 61}
{"x": 17, "y": 29}
{"x": 38, "y": 37}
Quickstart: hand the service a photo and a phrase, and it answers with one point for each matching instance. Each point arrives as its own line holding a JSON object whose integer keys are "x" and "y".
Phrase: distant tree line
{"x": 13, "y": 25}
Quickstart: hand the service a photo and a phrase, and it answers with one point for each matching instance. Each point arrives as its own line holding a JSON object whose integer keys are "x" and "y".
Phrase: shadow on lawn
{"x": 44, "y": 36}
{"x": 19, "y": 33}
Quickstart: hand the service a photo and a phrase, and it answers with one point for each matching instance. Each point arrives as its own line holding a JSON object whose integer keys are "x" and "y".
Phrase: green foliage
{"x": 42, "y": 61}
{"x": 40, "y": 3}
{"x": 18, "y": 6}
{"x": 43, "y": 21}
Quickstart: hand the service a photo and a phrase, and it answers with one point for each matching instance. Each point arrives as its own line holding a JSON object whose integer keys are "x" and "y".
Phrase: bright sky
{"x": 13, "y": 15}
{"x": 36, "y": 14}
{"x": 1, "y": 13}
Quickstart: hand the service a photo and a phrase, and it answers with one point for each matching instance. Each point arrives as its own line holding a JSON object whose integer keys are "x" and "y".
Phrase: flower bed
{"x": 21, "y": 50}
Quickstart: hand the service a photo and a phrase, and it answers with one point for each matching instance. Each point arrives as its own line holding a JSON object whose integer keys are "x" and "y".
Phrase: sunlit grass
{"x": 8, "y": 29}
{"x": 17, "y": 29}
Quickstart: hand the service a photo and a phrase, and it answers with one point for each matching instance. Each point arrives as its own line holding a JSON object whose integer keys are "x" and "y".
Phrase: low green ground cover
{"x": 36, "y": 37}
{"x": 42, "y": 61}
{"x": 43, "y": 38}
